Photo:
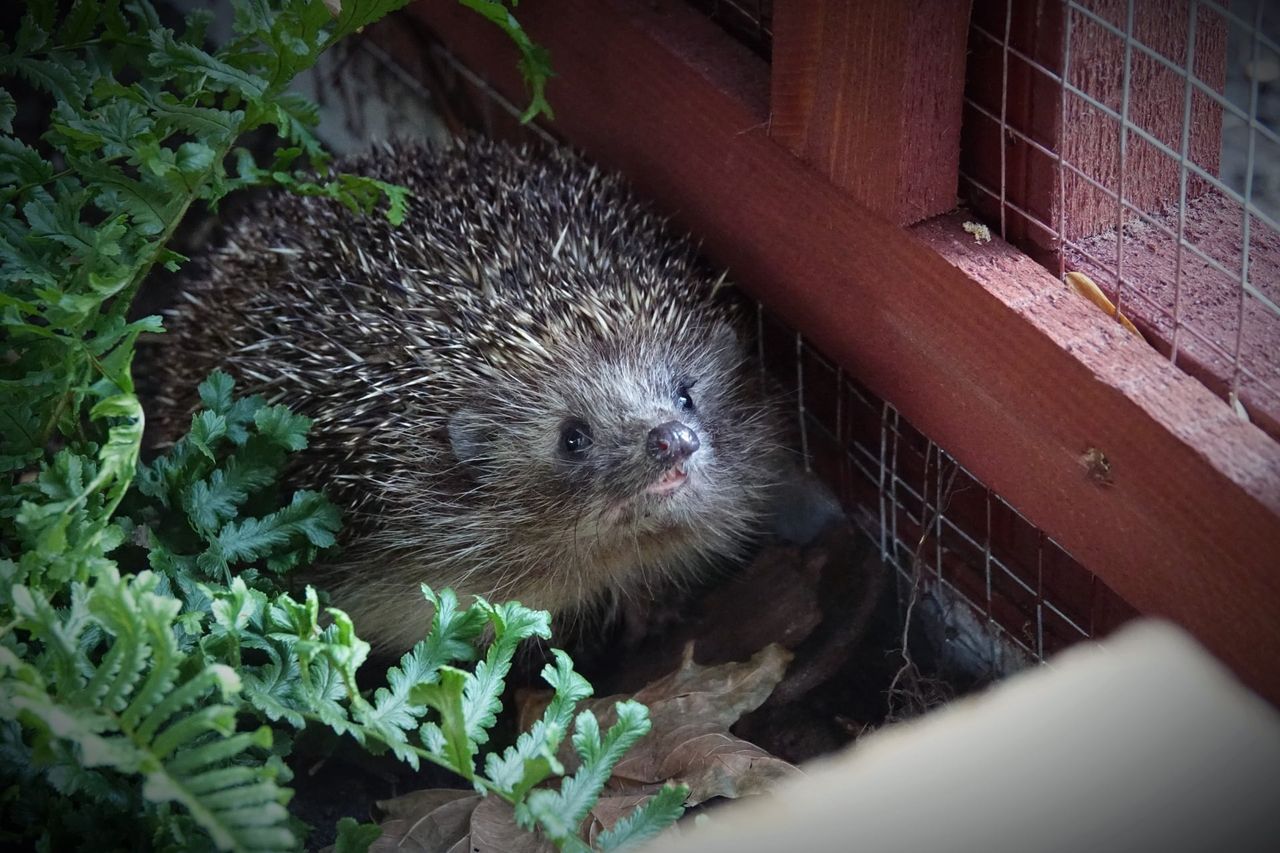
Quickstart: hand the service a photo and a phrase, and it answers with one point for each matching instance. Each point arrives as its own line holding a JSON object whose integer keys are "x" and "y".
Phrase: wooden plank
{"x": 979, "y": 347}
{"x": 869, "y": 93}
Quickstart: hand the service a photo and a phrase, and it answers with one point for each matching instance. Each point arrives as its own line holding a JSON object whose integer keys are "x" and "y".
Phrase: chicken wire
{"x": 1180, "y": 199}
{"x": 997, "y": 592}
{"x": 1138, "y": 142}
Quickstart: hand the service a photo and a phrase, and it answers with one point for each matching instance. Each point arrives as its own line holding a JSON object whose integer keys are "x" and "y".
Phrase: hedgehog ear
{"x": 469, "y": 436}
{"x": 725, "y": 337}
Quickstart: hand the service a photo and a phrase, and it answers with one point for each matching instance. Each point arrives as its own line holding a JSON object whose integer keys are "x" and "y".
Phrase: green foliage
{"x": 141, "y": 124}
{"x": 191, "y": 503}
{"x": 110, "y": 681}
{"x": 535, "y": 60}
{"x": 355, "y": 837}
{"x": 152, "y": 665}
{"x": 561, "y": 812}
{"x": 155, "y": 677}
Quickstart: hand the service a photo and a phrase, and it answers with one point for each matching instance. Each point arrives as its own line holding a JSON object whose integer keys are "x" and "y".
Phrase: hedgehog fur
{"x": 533, "y": 389}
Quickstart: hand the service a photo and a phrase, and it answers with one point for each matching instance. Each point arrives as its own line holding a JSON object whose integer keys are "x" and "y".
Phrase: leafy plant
{"x": 535, "y": 61}
{"x": 153, "y": 666}
{"x": 140, "y": 707}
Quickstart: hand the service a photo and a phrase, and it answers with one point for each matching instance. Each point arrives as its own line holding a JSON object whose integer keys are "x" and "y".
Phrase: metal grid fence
{"x": 1138, "y": 141}
{"x": 950, "y": 539}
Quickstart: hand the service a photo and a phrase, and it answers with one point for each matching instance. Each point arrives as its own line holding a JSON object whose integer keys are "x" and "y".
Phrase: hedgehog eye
{"x": 684, "y": 400}
{"x": 575, "y": 438}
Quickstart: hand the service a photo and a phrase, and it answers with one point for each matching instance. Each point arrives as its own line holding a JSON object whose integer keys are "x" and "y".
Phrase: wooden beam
{"x": 869, "y": 93}
{"x": 982, "y": 350}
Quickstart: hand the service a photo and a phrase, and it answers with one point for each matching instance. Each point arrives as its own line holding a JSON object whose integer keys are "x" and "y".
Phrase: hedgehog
{"x": 533, "y": 389}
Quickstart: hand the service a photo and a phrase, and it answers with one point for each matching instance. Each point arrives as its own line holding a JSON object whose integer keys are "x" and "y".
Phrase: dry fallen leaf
{"x": 691, "y": 711}
{"x": 1085, "y": 286}
{"x": 494, "y": 830}
{"x": 426, "y": 821}
{"x": 457, "y": 821}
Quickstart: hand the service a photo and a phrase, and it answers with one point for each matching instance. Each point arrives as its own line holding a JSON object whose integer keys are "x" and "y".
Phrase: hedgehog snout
{"x": 672, "y": 443}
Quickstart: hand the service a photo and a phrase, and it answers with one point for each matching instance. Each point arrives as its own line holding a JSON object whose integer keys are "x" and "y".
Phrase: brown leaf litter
{"x": 778, "y": 632}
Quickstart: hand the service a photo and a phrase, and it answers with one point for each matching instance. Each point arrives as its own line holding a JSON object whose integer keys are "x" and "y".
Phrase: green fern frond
{"x": 560, "y": 813}
{"x": 133, "y": 704}
{"x": 192, "y": 498}
{"x": 532, "y": 758}
{"x": 451, "y": 640}
{"x": 660, "y": 811}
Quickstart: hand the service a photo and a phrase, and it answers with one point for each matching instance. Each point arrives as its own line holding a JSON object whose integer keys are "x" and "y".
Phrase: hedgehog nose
{"x": 672, "y": 442}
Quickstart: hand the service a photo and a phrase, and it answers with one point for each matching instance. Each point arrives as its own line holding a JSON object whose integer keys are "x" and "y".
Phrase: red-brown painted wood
{"x": 980, "y": 348}
{"x": 1064, "y": 123}
{"x": 869, "y": 93}
{"x": 1207, "y": 300}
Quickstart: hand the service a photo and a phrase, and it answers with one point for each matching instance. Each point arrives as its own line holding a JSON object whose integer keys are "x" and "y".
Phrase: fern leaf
{"x": 570, "y": 689}
{"x": 238, "y": 813}
{"x": 560, "y": 813}
{"x": 446, "y": 696}
{"x": 8, "y": 109}
{"x": 171, "y": 57}
{"x": 532, "y": 758}
{"x": 354, "y": 14}
{"x": 512, "y": 624}
{"x": 309, "y": 519}
{"x": 282, "y": 426}
{"x": 63, "y": 80}
{"x": 168, "y": 727}
{"x": 659, "y": 811}
{"x": 355, "y": 837}
{"x": 450, "y": 640}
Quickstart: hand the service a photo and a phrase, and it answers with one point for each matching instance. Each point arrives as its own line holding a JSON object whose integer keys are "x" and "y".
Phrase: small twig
{"x": 925, "y": 691}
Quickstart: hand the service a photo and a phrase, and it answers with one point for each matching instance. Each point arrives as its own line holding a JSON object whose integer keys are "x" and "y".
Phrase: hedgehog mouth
{"x": 671, "y": 481}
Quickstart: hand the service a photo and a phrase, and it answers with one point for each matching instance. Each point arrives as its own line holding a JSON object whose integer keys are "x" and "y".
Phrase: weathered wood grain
{"x": 869, "y": 93}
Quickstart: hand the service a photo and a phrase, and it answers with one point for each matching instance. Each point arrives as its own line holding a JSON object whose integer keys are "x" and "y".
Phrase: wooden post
{"x": 869, "y": 93}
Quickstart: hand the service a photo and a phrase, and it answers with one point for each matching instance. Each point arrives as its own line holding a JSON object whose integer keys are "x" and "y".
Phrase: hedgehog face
{"x": 638, "y": 440}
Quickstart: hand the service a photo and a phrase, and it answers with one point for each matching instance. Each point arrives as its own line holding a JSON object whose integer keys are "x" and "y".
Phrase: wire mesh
{"x": 947, "y": 535}
{"x": 1138, "y": 141}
